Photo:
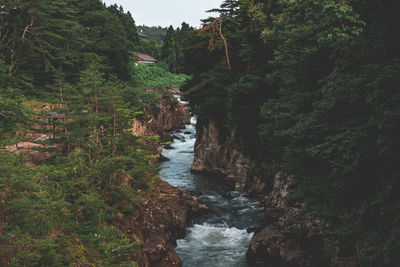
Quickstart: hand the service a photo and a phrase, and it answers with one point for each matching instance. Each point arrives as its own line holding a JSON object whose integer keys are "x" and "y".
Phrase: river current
{"x": 219, "y": 238}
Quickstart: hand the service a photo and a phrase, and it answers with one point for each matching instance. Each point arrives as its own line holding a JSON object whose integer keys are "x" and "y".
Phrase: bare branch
{"x": 27, "y": 28}
{"x": 226, "y": 45}
{"x": 216, "y": 26}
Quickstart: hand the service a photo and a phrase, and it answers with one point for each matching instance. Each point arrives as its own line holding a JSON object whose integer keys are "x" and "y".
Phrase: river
{"x": 219, "y": 238}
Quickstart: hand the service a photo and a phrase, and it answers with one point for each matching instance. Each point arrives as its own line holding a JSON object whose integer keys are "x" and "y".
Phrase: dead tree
{"x": 216, "y": 29}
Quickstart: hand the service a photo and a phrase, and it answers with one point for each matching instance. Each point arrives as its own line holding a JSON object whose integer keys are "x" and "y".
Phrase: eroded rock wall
{"x": 289, "y": 235}
{"x": 163, "y": 217}
{"x": 161, "y": 220}
{"x": 172, "y": 115}
{"x": 217, "y": 153}
{"x": 273, "y": 243}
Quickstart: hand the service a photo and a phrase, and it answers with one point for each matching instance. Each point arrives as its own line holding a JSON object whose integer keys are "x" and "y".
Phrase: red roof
{"x": 144, "y": 57}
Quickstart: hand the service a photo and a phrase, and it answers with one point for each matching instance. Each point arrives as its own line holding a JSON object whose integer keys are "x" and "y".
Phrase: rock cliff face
{"x": 163, "y": 217}
{"x": 272, "y": 244}
{"x": 217, "y": 153}
{"x": 172, "y": 115}
{"x": 161, "y": 220}
{"x": 289, "y": 236}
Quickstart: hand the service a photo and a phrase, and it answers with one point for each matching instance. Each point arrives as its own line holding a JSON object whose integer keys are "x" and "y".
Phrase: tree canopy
{"x": 69, "y": 163}
{"x": 312, "y": 86}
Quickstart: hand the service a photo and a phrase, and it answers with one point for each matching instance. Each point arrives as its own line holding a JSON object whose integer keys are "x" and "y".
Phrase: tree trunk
{"x": 27, "y": 28}
{"x": 228, "y": 62}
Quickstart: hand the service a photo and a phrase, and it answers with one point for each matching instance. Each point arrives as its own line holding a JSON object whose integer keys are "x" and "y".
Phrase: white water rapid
{"x": 219, "y": 238}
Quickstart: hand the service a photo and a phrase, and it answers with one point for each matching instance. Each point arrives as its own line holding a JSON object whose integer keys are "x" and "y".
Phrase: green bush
{"x": 156, "y": 77}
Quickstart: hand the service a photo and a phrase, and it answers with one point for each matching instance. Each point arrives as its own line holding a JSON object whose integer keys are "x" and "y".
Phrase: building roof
{"x": 143, "y": 35}
{"x": 145, "y": 57}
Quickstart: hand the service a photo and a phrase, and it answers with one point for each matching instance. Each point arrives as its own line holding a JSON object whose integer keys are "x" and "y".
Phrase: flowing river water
{"x": 219, "y": 238}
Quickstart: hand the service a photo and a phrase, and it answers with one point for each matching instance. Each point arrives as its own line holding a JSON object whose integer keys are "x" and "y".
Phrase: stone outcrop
{"x": 276, "y": 243}
{"x": 218, "y": 153}
{"x": 172, "y": 115}
{"x": 161, "y": 220}
{"x": 289, "y": 236}
{"x": 163, "y": 217}
{"x": 272, "y": 244}
{"x": 34, "y": 151}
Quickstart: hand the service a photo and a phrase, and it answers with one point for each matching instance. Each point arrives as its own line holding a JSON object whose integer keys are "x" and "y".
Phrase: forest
{"x": 312, "y": 88}
{"x": 59, "y": 201}
{"x": 154, "y": 33}
{"x": 309, "y": 87}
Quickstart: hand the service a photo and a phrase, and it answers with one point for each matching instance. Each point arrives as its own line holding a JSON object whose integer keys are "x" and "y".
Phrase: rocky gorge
{"x": 274, "y": 243}
{"x": 162, "y": 212}
{"x": 165, "y": 213}
{"x": 288, "y": 235}
{"x": 172, "y": 115}
{"x": 161, "y": 220}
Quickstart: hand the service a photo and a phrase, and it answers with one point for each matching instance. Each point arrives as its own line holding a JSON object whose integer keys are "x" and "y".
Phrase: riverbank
{"x": 165, "y": 213}
{"x": 161, "y": 220}
{"x": 289, "y": 234}
{"x": 219, "y": 237}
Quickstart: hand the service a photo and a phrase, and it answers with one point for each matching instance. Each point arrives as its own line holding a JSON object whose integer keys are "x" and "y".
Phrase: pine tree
{"x": 129, "y": 25}
{"x": 169, "y": 49}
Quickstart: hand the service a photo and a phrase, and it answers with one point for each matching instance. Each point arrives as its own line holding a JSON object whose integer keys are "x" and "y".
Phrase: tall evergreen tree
{"x": 129, "y": 24}
{"x": 169, "y": 49}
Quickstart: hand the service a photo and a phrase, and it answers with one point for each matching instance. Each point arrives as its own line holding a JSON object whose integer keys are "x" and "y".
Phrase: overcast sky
{"x": 167, "y": 12}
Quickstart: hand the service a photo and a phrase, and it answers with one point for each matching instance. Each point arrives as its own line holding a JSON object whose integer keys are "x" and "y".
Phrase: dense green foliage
{"x": 166, "y": 44}
{"x": 128, "y": 23}
{"x": 314, "y": 87}
{"x": 62, "y": 213}
{"x": 152, "y": 45}
{"x": 156, "y": 33}
{"x": 173, "y": 45}
{"x": 157, "y": 77}
{"x": 59, "y": 198}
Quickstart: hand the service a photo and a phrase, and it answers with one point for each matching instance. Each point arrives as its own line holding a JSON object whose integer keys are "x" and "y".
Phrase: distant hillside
{"x": 156, "y": 33}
